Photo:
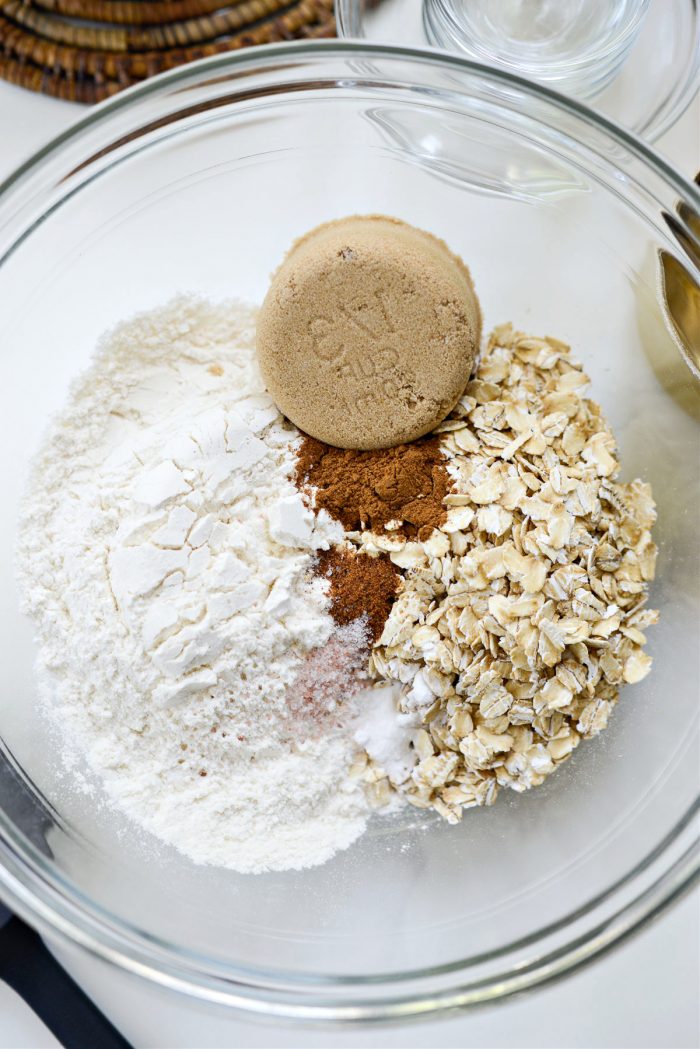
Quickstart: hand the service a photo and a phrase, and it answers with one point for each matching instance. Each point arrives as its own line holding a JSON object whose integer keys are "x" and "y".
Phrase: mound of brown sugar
{"x": 368, "y": 490}
{"x": 368, "y": 333}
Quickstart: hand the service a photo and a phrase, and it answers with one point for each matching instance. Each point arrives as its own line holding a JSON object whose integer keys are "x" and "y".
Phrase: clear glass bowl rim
{"x": 56, "y": 909}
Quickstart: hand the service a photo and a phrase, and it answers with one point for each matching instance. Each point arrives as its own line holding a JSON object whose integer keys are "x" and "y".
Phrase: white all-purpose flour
{"x": 165, "y": 558}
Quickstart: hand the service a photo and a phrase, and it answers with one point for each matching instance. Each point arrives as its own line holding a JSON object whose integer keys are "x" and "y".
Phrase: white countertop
{"x": 645, "y": 994}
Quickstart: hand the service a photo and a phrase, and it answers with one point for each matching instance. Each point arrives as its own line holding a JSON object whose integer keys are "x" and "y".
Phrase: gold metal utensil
{"x": 680, "y": 291}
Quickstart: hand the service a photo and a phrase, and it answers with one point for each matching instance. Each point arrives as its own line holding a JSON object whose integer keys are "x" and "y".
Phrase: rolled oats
{"x": 521, "y": 617}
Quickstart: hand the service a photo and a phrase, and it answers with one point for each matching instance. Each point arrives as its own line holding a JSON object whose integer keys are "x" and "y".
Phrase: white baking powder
{"x": 165, "y": 558}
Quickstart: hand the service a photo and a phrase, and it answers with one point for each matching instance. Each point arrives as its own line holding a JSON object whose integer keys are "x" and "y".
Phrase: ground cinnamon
{"x": 367, "y": 490}
{"x": 360, "y": 585}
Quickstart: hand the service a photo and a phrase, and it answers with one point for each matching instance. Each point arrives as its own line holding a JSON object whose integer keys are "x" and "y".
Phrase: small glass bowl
{"x": 571, "y": 45}
{"x": 198, "y": 180}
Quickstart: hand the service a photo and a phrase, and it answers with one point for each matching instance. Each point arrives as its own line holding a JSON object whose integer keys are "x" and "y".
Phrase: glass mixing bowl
{"x": 199, "y": 180}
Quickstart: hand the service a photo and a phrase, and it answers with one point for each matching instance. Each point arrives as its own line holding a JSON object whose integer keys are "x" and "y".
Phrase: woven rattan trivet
{"x": 87, "y": 50}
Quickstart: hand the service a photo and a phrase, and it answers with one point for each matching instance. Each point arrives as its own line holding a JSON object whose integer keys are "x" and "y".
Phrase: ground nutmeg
{"x": 359, "y": 586}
